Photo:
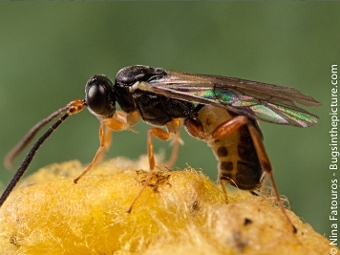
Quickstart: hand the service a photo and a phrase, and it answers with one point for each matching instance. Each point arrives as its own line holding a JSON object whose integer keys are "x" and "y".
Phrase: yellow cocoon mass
{"x": 180, "y": 212}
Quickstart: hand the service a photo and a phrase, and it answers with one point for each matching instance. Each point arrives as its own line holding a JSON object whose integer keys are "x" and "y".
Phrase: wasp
{"x": 222, "y": 111}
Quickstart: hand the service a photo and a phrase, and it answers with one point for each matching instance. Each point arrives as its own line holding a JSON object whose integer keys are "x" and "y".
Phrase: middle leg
{"x": 162, "y": 135}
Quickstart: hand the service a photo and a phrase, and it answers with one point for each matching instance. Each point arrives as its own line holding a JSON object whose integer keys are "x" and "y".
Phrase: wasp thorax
{"x": 99, "y": 96}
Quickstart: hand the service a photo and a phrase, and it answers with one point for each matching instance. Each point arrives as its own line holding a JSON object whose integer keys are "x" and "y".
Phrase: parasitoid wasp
{"x": 222, "y": 111}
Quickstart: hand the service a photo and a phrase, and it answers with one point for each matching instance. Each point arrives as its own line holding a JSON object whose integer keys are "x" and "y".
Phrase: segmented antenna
{"x": 72, "y": 108}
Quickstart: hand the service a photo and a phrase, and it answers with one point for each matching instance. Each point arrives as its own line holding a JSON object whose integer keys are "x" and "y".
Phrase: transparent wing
{"x": 267, "y": 102}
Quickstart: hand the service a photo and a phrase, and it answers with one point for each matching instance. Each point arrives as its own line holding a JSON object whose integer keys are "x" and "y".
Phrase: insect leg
{"x": 118, "y": 123}
{"x": 115, "y": 123}
{"x": 98, "y": 153}
{"x": 231, "y": 126}
{"x": 107, "y": 145}
{"x": 174, "y": 126}
{"x": 175, "y": 143}
{"x": 162, "y": 135}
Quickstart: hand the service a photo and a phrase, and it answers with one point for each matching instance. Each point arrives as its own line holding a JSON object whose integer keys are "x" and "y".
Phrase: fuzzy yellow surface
{"x": 182, "y": 212}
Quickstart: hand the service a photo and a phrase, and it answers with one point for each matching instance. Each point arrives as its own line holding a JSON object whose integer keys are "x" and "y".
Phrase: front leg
{"x": 116, "y": 123}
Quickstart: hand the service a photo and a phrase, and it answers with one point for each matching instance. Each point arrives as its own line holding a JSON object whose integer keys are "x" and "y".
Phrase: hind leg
{"x": 231, "y": 126}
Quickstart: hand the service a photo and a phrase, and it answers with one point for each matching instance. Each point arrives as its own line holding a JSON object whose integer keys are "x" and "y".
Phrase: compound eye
{"x": 99, "y": 96}
{"x": 96, "y": 98}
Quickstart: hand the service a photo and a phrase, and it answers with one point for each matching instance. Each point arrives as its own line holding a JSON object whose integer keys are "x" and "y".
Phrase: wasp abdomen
{"x": 246, "y": 174}
{"x": 238, "y": 163}
{"x": 240, "y": 167}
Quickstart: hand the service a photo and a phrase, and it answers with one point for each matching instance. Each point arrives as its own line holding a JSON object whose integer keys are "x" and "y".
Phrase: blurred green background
{"x": 49, "y": 50}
